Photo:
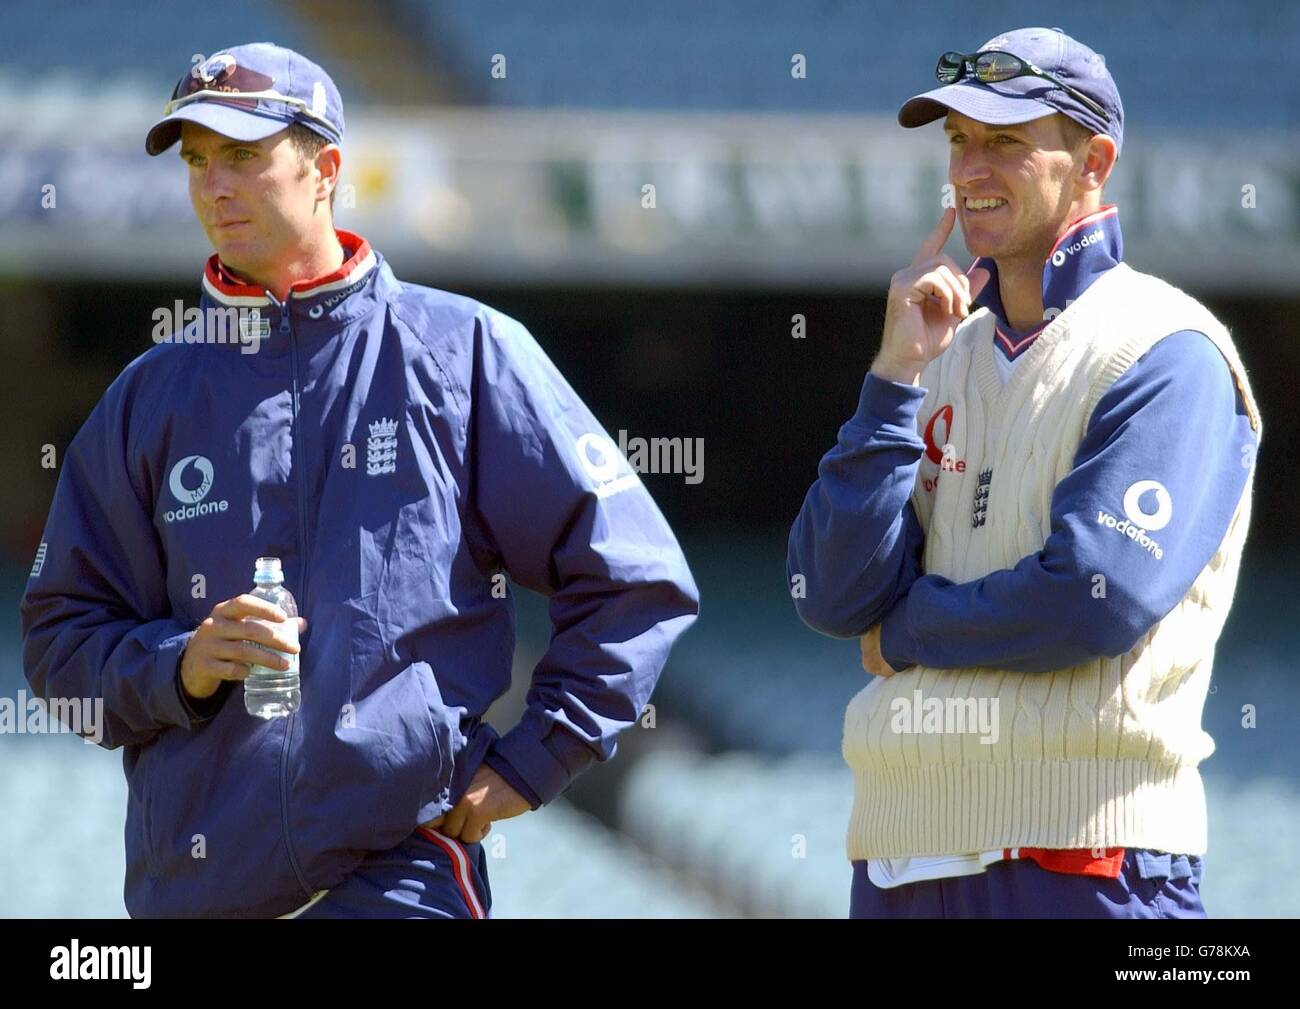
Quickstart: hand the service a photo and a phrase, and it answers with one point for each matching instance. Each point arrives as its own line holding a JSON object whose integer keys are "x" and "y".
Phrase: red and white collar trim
{"x": 1102, "y": 212}
{"x": 1014, "y": 346}
{"x": 221, "y": 285}
{"x": 356, "y": 266}
{"x": 225, "y": 287}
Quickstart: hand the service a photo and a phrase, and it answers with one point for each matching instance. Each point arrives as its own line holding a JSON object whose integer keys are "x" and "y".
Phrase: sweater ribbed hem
{"x": 951, "y": 809}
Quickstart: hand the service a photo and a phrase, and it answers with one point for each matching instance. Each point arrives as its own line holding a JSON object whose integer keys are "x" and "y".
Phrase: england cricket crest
{"x": 381, "y": 447}
{"x": 980, "y": 509}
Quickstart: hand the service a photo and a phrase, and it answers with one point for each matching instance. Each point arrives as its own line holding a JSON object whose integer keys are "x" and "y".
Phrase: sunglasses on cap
{"x": 993, "y": 65}
{"x": 249, "y": 100}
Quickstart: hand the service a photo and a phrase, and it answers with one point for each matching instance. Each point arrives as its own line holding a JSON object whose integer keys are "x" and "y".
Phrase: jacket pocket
{"x": 212, "y": 830}
{"x": 369, "y": 761}
{"x": 445, "y": 733}
{"x": 399, "y": 748}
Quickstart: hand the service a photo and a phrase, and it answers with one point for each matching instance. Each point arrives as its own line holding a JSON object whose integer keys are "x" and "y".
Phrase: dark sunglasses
{"x": 993, "y": 65}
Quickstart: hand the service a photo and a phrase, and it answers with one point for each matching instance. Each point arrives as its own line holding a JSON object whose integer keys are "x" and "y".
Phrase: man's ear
{"x": 1098, "y": 162}
{"x": 329, "y": 162}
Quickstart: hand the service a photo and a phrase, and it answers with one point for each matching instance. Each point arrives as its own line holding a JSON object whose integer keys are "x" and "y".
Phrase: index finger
{"x": 250, "y": 606}
{"x": 938, "y": 238}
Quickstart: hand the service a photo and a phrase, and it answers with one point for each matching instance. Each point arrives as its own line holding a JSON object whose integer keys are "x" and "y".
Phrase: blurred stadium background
{"x": 776, "y": 196}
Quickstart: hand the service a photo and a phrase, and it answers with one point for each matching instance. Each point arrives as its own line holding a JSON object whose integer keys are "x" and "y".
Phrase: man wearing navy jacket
{"x": 402, "y": 450}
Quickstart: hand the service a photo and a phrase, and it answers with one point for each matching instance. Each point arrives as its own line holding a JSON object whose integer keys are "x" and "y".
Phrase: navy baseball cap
{"x": 1020, "y": 99}
{"x": 282, "y": 88}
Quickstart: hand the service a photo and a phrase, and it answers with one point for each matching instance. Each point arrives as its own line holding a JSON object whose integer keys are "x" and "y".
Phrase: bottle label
{"x": 271, "y": 671}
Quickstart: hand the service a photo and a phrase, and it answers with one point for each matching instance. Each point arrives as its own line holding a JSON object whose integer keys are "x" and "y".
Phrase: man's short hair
{"x": 308, "y": 143}
{"x": 1074, "y": 134}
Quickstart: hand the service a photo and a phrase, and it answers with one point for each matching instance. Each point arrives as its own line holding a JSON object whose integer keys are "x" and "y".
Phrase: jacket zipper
{"x": 302, "y": 548}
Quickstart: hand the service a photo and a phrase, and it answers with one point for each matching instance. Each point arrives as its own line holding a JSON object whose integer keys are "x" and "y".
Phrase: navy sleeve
{"x": 203, "y": 709}
{"x": 511, "y": 777}
{"x": 855, "y": 546}
{"x": 569, "y": 518}
{"x": 1169, "y": 444}
{"x": 96, "y": 620}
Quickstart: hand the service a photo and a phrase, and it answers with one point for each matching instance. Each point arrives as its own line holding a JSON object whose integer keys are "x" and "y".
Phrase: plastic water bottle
{"x": 268, "y": 692}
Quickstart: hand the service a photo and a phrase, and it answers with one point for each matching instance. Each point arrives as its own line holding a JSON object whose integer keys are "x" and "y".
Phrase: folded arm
{"x": 1176, "y": 418}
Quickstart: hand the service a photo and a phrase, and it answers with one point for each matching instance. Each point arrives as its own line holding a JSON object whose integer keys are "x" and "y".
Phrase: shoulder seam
{"x": 460, "y": 395}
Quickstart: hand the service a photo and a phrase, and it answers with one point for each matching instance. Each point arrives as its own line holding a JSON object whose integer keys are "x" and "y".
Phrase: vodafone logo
{"x": 1151, "y": 521}
{"x": 944, "y": 413}
{"x": 603, "y": 463}
{"x": 1060, "y": 255}
{"x": 216, "y": 69}
{"x": 1138, "y": 520}
{"x": 177, "y": 484}
{"x": 946, "y": 457}
{"x": 598, "y": 457}
{"x": 319, "y": 309}
{"x": 189, "y": 469}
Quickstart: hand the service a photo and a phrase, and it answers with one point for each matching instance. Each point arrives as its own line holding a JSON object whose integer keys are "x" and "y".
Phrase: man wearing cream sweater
{"x": 1034, "y": 521}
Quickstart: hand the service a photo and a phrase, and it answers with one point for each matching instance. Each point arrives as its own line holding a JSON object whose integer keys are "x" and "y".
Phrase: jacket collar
{"x": 1087, "y": 247}
{"x": 225, "y": 288}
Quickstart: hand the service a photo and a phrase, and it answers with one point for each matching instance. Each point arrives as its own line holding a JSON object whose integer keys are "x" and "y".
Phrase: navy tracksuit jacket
{"x": 401, "y": 449}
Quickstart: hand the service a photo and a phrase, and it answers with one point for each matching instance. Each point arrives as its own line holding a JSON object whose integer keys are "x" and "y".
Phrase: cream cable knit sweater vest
{"x": 1103, "y": 753}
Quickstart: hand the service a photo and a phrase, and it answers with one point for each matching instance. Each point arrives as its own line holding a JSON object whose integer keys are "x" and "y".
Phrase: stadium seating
{"x": 93, "y": 45}
{"x": 681, "y": 55}
{"x": 61, "y": 848}
{"x": 767, "y": 833}
{"x": 861, "y": 57}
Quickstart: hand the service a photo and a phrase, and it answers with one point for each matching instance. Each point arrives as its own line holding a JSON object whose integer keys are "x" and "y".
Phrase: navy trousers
{"x": 428, "y": 875}
{"x": 1150, "y": 885}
